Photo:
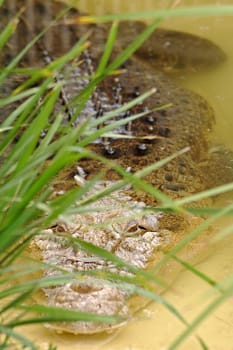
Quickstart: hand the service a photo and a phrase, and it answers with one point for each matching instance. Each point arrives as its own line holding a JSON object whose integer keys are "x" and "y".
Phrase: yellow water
{"x": 155, "y": 327}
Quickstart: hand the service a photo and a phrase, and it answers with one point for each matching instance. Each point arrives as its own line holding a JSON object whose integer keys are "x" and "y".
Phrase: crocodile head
{"x": 120, "y": 225}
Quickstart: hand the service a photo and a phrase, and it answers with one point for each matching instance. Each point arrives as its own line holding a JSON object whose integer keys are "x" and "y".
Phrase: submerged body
{"x": 126, "y": 227}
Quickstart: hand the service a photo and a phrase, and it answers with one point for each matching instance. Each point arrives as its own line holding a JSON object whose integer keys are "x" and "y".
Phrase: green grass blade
{"x": 211, "y": 10}
{"x": 17, "y": 336}
{"x": 8, "y": 32}
{"x": 108, "y": 49}
{"x": 198, "y": 273}
{"x": 35, "y": 128}
{"x": 208, "y": 222}
{"x": 206, "y": 194}
{"x": 201, "y": 317}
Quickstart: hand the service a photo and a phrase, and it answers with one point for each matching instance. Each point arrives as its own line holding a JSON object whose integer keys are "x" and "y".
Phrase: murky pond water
{"x": 155, "y": 327}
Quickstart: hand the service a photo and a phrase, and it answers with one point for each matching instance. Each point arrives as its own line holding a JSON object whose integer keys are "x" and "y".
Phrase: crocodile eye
{"x": 132, "y": 226}
{"x": 62, "y": 227}
{"x": 149, "y": 222}
{"x": 59, "y": 227}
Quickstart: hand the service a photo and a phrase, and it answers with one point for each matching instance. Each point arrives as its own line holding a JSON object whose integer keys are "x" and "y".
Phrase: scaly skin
{"x": 124, "y": 227}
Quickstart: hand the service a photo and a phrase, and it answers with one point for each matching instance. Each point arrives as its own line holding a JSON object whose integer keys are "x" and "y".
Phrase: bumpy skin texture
{"x": 124, "y": 227}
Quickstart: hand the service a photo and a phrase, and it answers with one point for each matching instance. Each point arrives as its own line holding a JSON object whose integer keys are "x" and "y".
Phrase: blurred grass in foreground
{"x": 25, "y": 192}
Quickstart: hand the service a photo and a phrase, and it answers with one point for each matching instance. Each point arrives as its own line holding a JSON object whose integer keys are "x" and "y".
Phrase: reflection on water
{"x": 155, "y": 328}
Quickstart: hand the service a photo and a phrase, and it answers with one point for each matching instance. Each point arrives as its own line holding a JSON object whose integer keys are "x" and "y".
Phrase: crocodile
{"x": 173, "y": 119}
